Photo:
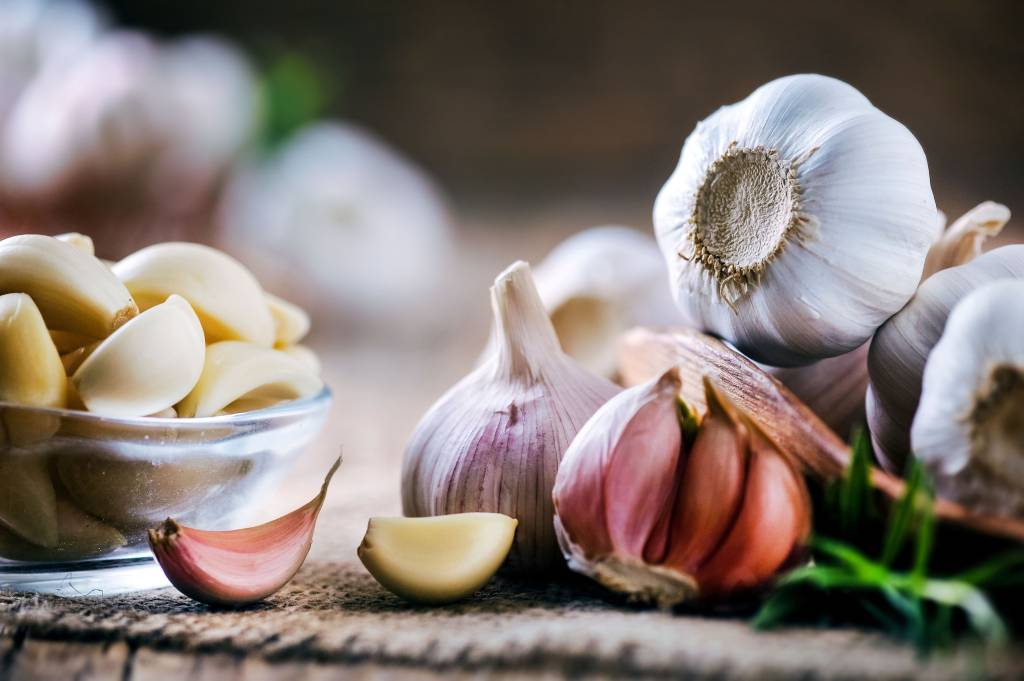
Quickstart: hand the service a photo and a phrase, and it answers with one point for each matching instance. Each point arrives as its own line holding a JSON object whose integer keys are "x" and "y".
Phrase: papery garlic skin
{"x": 494, "y": 441}
{"x": 797, "y": 220}
{"x": 901, "y": 347}
{"x": 599, "y": 283}
{"x": 969, "y": 427}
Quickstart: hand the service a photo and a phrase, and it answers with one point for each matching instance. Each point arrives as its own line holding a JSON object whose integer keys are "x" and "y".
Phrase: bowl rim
{"x": 304, "y": 405}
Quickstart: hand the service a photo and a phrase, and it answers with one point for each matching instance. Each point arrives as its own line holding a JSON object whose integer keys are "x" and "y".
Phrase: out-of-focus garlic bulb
{"x": 367, "y": 227}
{"x": 797, "y": 220}
{"x": 901, "y": 347}
{"x": 969, "y": 427}
{"x": 599, "y": 283}
{"x": 36, "y": 34}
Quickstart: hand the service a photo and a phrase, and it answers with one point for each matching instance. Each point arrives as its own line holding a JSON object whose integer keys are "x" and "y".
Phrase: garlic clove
{"x": 74, "y": 291}
{"x": 237, "y": 567}
{"x": 902, "y": 345}
{"x": 31, "y": 372}
{"x": 304, "y": 356}
{"x": 79, "y": 241}
{"x": 28, "y": 503}
{"x": 147, "y": 365}
{"x": 79, "y": 536}
{"x": 291, "y": 322}
{"x": 234, "y": 370}
{"x": 493, "y": 442}
{"x": 711, "y": 491}
{"x": 963, "y": 241}
{"x": 224, "y": 294}
{"x": 72, "y": 360}
{"x": 969, "y": 427}
{"x": 797, "y": 221}
{"x": 67, "y": 341}
{"x": 773, "y": 521}
{"x": 437, "y": 559}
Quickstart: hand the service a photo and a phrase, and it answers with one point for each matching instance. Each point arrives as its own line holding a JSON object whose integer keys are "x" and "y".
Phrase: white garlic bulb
{"x": 599, "y": 283}
{"x": 369, "y": 229}
{"x": 969, "y": 427}
{"x": 797, "y": 220}
{"x": 493, "y": 442}
{"x": 901, "y": 347}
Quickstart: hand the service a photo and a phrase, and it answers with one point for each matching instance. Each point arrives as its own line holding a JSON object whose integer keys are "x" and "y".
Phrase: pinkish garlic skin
{"x": 657, "y": 524}
{"x": 493, "y": 442}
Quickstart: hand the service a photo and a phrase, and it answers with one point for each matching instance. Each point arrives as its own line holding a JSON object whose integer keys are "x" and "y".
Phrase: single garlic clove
{"x": 79, "y": 241}
{"x": 773, "y": 522}
{"x": 963, "y": 241}
{"x": 711, "y": 491}
{"x": 224, "y": 294}
{"x": 235, "y": 370}
{"x": 28, "y": 504}
{"x": 291, "y": 323}
{"x": 238, "y": 567}
{"x": 74, "y": 291}
{"x": 79, "y": 536}
{"x": 437, "y": 559}
{"x": 31, "y": 372}
{"x": 969, "y": 427}
{"x": 72, "y": 360}
{"x": 147, "y": 365}
{"x": 305, "y": 356}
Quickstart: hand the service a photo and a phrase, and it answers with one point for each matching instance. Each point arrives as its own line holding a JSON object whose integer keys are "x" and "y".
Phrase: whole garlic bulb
{"x": 797, "y": 220}
{"x": 901, "y": 347}
{"x": 969, "y": 427}
{"x": 599, "y": 283}
{"x": 493, "y": 442}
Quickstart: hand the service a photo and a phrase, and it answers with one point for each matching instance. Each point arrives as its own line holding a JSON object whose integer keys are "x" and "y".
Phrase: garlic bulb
{"x": 969, "y": 427}
{"x": 797, "y": 220}
{"x": 599, "y": 283}
{"x": 493, "y": 442}
{"x": 369, "y": 229}
{"x": 901, "y": 346}
{"x": 653, "y": 512}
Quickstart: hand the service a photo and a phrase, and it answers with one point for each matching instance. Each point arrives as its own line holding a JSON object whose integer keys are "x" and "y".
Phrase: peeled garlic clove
{"x": 237, "y": 567}
{"x": 304, "y": 356}
{"x": 901, "y": 346}
{"x": 72, "y": 360}
{"x": 962, "y": 242}
{"x": 969, "y": 427}
{"x": 225, "y": 295}
{"x": 439, "y": 559}
{"x": 291, "y": 323}
{"x": 79, "y": 241}
{"x": 234, "y": 370}
{"x": 493, "y": 442}
{"x": 774, "y": 520}
{"x": 797, "y": 221}
{"x": 73, "y": 290}
{"x": 31, "y": 372}
{"x": 28, "y": 504}
{"x": 147, "y": 365}
{"x": 80, "y": 536}
{"x": 597, "y": 284}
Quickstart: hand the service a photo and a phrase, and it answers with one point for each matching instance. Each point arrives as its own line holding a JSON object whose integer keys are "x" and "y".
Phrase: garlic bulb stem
{"x": 963, "y": 241}
{"x": 526, "y": 338}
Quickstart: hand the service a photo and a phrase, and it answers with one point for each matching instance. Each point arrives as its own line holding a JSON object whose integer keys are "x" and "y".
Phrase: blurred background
{"x": 380, "y": 161}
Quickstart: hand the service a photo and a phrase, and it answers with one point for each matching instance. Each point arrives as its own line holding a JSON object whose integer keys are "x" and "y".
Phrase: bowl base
{"x": 93, "y": 578}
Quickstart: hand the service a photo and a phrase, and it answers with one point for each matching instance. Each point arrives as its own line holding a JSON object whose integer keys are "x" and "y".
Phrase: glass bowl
{"x": 78, "y": 491}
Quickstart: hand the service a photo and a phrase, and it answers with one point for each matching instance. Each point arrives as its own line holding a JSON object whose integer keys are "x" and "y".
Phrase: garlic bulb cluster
{"x": 494, "y": 441}
{"x": 797, "y": 221}
{"x": 650, "y": 510}
{"x": 969, "y": 427}
{"x": 598, "y": 284}
{"x": 343, "y": 207}
{"x": 902, "y": 345}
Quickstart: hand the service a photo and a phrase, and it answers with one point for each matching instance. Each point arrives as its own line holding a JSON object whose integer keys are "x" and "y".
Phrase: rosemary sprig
{"x": 894, "y": 590}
